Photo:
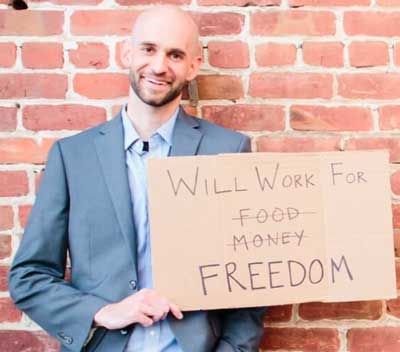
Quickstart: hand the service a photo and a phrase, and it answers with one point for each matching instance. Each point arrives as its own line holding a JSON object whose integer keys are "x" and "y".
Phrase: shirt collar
{"x": 130, "y": 135}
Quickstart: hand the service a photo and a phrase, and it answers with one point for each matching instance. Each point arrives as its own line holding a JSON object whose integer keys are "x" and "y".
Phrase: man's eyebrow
{"x": 170, "y": 51}
{"x": 177, "y": 51}
{"x": 147, "y": 44}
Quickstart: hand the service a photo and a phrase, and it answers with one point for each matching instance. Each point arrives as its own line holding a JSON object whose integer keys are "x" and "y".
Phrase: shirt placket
{"x": 152, "y": 333}
{"x": 158, "y": 336}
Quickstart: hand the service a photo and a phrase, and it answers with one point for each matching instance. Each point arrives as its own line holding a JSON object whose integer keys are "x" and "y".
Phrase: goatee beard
{"x": 170, "y": 96}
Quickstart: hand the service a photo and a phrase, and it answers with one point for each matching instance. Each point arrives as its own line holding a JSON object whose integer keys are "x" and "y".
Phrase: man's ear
{"x": 126, "y": 53}
{"x": 194, "y": 67}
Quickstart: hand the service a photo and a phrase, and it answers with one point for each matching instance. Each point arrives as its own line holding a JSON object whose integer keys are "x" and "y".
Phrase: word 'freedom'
{"x": 271, "y": 274}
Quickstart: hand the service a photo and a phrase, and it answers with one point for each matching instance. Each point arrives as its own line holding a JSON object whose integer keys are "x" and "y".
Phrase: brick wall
{"x": 296, "y": 75}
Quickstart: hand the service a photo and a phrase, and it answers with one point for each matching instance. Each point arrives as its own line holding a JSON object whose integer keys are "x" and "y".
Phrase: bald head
{"x": 163, "y": 54}
{"x": 168, "y": 21}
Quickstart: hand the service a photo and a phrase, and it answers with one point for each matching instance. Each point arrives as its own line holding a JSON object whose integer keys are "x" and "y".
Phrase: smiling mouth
{"x": 156, "y": 81}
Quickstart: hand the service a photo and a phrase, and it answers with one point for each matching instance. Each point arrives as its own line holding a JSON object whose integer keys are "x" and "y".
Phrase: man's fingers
{"x": 148, "y": 310}
{"x": 155, "y": 312}
{"x": 175, "y": 311}
{"x": 163, "y": 312}
{"x": 145, "y": 320}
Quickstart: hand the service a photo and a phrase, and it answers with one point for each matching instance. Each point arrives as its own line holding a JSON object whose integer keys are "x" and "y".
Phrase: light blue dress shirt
{"x": 158, "y": 337}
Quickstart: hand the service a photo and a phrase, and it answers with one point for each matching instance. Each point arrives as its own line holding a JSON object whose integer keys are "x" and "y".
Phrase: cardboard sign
{"x": 244, "y": 230}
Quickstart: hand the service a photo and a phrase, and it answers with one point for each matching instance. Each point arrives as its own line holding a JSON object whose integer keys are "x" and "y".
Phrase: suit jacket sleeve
{"x": 36, "y": 279}
{"x": 241, "y": 328}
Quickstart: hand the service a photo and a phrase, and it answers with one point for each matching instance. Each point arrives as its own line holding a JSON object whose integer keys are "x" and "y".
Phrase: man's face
{"x": 157, "y": 77}
{"x": 161, "y": 62}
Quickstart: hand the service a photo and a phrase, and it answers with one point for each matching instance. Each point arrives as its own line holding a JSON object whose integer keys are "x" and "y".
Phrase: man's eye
{"x": 148, "y": 49}
{"x": 176, "y": 57}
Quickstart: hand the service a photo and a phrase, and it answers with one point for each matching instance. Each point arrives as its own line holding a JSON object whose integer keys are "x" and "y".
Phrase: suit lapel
{"x": 109, "y": 144}
{"x": 186, "y": 137}
{"x": 110, "y": 150}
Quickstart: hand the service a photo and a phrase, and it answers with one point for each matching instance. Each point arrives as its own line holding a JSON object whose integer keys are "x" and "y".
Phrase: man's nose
{"x": 159, "y": 63}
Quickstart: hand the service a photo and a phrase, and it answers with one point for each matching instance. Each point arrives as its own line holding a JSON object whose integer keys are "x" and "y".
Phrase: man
{"x": 92, "y": 203}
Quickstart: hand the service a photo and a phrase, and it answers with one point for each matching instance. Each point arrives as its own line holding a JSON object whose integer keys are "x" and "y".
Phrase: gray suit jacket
{"x": 83, "y": 207}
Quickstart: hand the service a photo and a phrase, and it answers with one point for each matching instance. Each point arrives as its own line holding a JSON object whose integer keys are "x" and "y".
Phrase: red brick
{"x": 42, "y": 55}
{"x": 389, "y": 117}
{"x": 395, "y": 183}
{"x": 72, "y": 2}
{"x": 297, "y": 144}
{"x": 385, "y": 339}
{"x": 148, "y": 2}
{"x": 101, "y": 85}
{"x": 246, "y": 117}
{"x": 59, "y": 117}
{"x": 24, "y": 150}
{"x": 13, "y": 183}
{"x": 396, "y": 54}
{"x": 6, "y": 217}
{"x": 8, "y": 54}
{"x": 384, "y": 24}
{"x": 321, "y": 118}
{"x": 221, "y": 23}
{"x": 118, "y": 49}
{"x": 291, "y": 85}
{"x": 366, "y": 54}
{"x": 31, "y": 22}
{"x": 102, "y": 22}
{"x": 24, "y": 211}
{"x": 8, "y": 312}
{"x": 393, "y": 307}
{"x": 5, "y": 243}
{"x": 27, "y": 341}
{"x": 239, "y": 2}
{"x": 278, "y": 314}
{"x": 90, "y": 55}
{"x": 323, "y": 54}
{"x": 371, "y": 310}
{"x": 190, "y": 110}
{"x": 67, "y": 274}
{"x": 369, "y": 85}
{"x": 228, "y": 54}
{"x": 219, "y": 87}
{"x": 392, "y": 144}
{"x": 8, "y": 120}
{"x": 293, "y": 22}
{"x": 274, "y": 54}
{"x": 388, "y": 2}
{"x": 396, "y": 238}
{"x": 305, "y": 340}
{"x": 4, "y": 278}
{"x": 396, "y": 215}
{"x": 319, "y": 3}
{"x": 33, "y": 85}
{"x": 38, "y": 179}
{"x": 395, "y": 187}
{"x": 115, "y": 109}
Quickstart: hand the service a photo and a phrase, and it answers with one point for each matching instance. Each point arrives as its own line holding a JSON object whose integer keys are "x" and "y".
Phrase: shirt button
{"x": 123, "y": 331}
{"x": 152, "y": 333}
{"x": 132, "y": 284}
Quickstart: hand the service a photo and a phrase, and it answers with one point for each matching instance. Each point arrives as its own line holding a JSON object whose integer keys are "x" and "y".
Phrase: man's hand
{"x": 144, "y": 307}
